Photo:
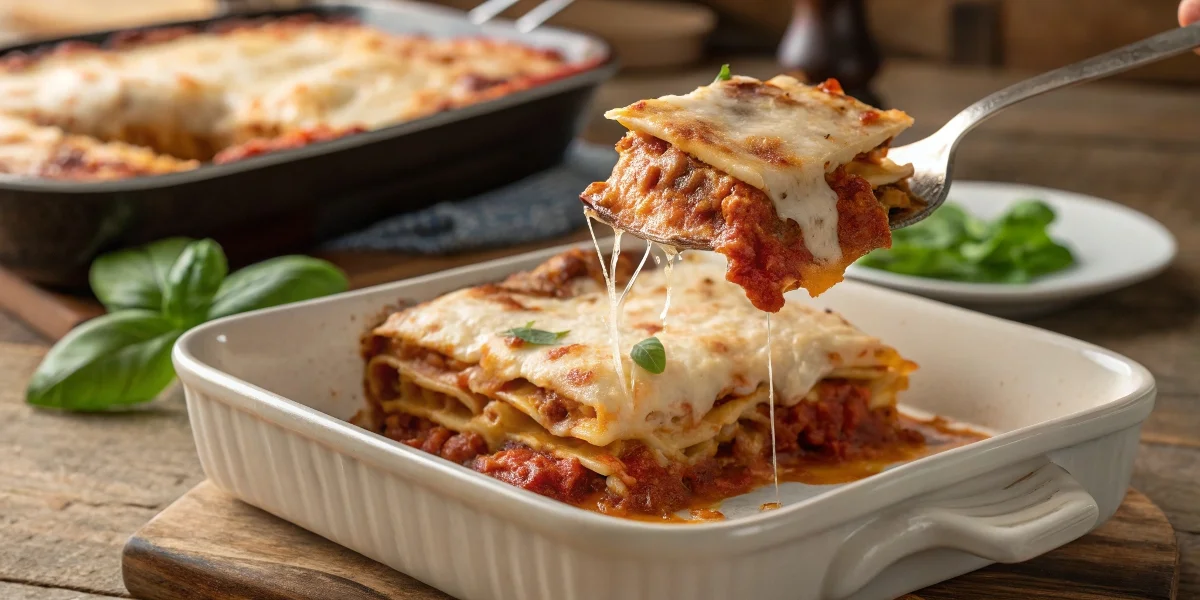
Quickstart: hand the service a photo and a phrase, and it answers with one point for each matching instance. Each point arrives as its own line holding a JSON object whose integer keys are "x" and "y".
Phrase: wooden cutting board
{"x": 209, "y": 545}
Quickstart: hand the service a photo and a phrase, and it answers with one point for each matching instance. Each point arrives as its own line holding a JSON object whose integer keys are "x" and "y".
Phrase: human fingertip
{"x": 1189, "y": 12}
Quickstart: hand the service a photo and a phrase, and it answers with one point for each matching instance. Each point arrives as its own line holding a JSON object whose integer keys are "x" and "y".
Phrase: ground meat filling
{"x": 563, "y": 479}
{"x": 425, "y": 435}
{"x": 658, "y": 189}
{"x": 653, "y": 488}
{"x": 662, "y": 191}
{"x": 839, "y": 424}
{"x": 562, "y": 275}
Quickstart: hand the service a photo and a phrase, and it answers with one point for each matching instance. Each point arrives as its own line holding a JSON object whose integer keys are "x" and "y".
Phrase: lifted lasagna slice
{"x": 561, "y": 420}
{"x": 790, "y": 182}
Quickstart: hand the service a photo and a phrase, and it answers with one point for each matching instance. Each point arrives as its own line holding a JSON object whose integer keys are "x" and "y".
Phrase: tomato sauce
{"x": 835, "y": 439}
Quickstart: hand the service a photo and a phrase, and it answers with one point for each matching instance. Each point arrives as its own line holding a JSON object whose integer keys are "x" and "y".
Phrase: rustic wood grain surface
{"x": 73, "y": 488}
{"x": 209, "y": 545}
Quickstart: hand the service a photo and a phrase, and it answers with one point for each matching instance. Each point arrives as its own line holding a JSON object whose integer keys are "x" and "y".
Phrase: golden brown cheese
{"x": 715, "y": 344}
{"x": 48, "y": 152}
{"x": 562, "y": 419}
{"x": 191, "y": 93}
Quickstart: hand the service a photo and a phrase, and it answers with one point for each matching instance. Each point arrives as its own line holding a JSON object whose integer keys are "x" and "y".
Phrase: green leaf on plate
{"x": 951, "y": 244}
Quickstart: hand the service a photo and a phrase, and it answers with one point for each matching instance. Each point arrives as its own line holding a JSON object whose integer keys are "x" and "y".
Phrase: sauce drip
{"x": 814, "y": 469}
{"x": 706, "y": 514}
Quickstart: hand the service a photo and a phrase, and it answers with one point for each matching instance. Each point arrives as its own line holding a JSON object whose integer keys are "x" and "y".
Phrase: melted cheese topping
{"x": 31, "y": 150}
{"x": 714, "y": 347}
{"x": 779, "y": 136}
{"x": 234, "y": 85}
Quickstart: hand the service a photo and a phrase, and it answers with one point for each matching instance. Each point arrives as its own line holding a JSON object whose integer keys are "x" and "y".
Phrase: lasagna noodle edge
{"x": 499, "y": 421}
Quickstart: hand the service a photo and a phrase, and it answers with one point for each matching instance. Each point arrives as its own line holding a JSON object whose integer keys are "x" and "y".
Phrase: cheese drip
{"x": 671, "y": 253}
{"x": 771, "y": 411}
{"x": 629, "y": 286}
{"x": 614, "y": 336}
{"x": 714, "y": 339}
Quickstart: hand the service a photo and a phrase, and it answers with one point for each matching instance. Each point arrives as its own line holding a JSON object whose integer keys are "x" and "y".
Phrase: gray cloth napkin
{"x": 541, "y": 206}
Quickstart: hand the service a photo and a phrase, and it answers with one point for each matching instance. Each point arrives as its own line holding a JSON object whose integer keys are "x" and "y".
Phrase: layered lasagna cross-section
{"x": 791, "y": 182}
{"x": 561, "y": 419}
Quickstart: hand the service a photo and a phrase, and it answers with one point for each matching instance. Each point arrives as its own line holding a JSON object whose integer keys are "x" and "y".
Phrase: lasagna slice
{"x": 195, "y": 92}
{"x": 790, "y": 182}
{"x": 48, "y": 152}
{"x": 559, "y": 418}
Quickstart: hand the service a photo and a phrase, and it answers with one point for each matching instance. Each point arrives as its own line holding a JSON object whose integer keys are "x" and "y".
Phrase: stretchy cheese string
{"x": 610, "y": 275}
{"x": 671, "y": 253}
{"x": 771, "y": 409}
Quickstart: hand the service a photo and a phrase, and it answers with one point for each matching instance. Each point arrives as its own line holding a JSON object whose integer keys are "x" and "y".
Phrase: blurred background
{"x": 671, "y": 45}
{"x": 1018, "y": 34}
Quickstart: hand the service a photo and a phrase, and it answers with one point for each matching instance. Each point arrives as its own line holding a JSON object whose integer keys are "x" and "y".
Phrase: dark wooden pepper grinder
{"x": 830, "y": 38}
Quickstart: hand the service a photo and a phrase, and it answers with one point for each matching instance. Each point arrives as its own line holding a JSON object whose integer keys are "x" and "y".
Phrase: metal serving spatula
{"x": 933, "y": 157}
{"x": 528, "y": 22}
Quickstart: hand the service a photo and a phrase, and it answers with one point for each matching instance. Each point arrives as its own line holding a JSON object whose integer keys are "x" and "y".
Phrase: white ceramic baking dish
{"x": 267, "y": 393}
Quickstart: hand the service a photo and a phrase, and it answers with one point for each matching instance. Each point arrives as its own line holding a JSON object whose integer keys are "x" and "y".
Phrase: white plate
{"x": 267, "y": 393}
{"x": 1114, "y": 246}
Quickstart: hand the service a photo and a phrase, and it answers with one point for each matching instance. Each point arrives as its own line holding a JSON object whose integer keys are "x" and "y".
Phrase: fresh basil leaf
{"x": 724, "y": 74}
{"x": 277, "y": 281}
{"x": 539, "y": 337}
{"x": 946, "y": 227}
{"x": 116, "y": 359}
{"x": 951, "y": 244}
{"x": 1028, "y": 213}
{"x": 1048, "y": 258}
{"x": 136, "y": 277}
{"x": 193, "y": 282}
{"x": 650, "y": 355}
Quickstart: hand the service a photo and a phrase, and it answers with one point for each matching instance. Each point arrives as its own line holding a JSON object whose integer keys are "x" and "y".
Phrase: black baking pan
{"x": 287, "y": 201}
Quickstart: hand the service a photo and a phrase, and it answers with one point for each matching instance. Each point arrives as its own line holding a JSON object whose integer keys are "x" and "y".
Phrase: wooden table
{"x": 74, "y": 487}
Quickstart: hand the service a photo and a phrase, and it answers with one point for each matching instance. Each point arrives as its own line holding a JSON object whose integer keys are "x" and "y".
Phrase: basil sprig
{"x": 193, "y": 282}
{"x": 953, "y": 244}
{"x": 135, "y": 278}
{"x": 539, "y": 337}
{"x": 116, "y": 359}
{"x": 724, "y": 74}
{"x": 650, "y": 355}
{"x": 154, "y": 294}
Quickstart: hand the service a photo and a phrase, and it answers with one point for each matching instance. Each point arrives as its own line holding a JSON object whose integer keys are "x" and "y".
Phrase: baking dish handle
{"x": 1008, "y": 516}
